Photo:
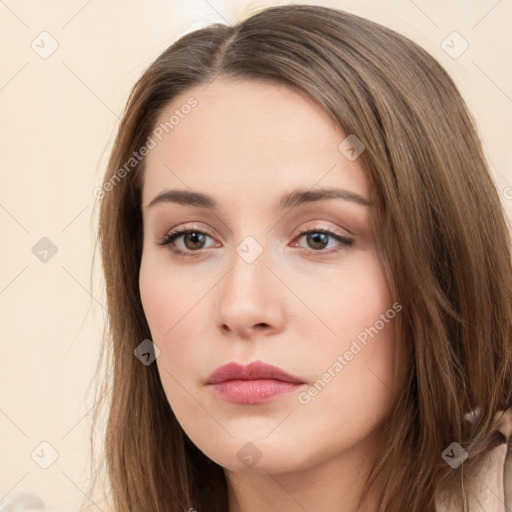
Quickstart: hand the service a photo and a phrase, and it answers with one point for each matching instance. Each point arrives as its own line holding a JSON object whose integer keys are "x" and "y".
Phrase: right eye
{"x": 193, "y": 240}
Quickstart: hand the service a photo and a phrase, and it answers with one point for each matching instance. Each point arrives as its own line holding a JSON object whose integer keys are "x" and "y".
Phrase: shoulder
{"x": 493, "y": 485}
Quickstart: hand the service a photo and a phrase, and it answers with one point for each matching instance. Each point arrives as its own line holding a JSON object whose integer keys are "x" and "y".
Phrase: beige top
{"x": 494, "y": 490}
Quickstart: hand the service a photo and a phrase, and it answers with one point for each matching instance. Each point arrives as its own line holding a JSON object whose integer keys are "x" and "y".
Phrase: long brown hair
{"x": 440, "y": 231}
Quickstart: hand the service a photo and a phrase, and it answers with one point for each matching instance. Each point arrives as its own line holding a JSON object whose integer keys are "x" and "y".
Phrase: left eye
{"x": 320, "y": 237}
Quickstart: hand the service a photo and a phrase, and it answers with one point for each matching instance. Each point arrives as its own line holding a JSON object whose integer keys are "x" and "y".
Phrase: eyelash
{"x": 170, "y": 237}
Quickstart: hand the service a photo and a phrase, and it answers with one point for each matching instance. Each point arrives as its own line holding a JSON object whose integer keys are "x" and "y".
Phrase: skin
{"x": 246, "y": 143}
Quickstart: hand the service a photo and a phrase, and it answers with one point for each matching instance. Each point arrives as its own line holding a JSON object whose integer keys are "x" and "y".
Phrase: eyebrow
{"x": 287, "y": 201}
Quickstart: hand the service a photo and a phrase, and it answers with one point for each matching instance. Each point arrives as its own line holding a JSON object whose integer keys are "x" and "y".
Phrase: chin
{"x": 256, "y": 457}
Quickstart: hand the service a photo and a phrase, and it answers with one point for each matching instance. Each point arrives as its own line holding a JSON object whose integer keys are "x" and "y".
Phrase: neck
{"x": 333, "y": 486}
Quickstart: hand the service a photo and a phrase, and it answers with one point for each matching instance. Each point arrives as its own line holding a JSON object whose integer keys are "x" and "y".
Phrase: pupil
{"x": 320, "y": 238}
{"x": 194, "y": 237}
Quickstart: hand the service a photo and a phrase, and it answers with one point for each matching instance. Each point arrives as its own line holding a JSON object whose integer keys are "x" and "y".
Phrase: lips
{"x": 253, "y": 371}
{"x": 253, "y": 384}
{"x": 256, "y": 383}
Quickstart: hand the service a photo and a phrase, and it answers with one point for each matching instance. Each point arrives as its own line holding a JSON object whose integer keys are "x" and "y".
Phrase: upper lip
{"x": 252, "y": 371}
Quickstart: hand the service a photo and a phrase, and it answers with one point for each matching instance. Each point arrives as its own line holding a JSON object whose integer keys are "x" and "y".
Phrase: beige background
{"x": 58, "y": 118}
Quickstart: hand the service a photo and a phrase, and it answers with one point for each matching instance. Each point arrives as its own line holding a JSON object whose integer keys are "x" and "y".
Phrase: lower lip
{"x": 252, "y": 391}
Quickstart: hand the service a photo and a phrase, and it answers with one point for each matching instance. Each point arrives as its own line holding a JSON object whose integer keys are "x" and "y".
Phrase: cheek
{"x": 353, "y": 386}
{"x": 174, "y": 309}
{"x": 357, "y": 359}
{"x": 165, "y": 298}
{"x": 166, "y": 305}
{"x": 349, "y": 298}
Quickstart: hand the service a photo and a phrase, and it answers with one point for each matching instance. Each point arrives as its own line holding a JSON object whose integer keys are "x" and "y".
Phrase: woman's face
{"x": 275, "y": 273}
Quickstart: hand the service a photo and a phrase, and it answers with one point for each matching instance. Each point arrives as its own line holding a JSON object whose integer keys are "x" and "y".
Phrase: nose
{"x": 251, "y": 299}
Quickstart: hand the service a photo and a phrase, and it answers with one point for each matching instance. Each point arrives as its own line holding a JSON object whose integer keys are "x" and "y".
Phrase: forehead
{"x": 232, "y": 135}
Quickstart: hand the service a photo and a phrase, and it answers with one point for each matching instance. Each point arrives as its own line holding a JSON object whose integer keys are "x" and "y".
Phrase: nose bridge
{"x": 249, "y": 264}
{"x": 247, "y": 297}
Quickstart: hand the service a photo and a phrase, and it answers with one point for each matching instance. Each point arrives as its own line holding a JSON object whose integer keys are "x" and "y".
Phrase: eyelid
{"x": 308, "y": 227}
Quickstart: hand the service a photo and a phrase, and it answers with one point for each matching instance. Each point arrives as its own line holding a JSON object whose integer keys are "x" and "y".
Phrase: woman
{"x": 299, "y": 229}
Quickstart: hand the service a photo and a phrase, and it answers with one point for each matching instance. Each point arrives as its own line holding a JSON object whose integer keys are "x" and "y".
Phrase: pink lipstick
{"x": 255, "y": 383}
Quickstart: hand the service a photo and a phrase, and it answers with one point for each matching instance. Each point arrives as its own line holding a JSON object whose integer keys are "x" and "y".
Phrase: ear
{"x": 504, "y": 424}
